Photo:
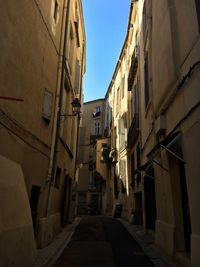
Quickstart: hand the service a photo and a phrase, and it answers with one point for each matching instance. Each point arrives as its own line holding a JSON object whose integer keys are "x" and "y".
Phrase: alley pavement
{"x": 93, "y": 241}
{"x": 102, "y": 242}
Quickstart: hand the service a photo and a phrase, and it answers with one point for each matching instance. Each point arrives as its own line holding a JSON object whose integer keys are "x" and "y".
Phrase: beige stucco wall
{"x": 191, "y": 135}
{"x": 17, "y": 244}
{"x": 59, "y": 205}
{"x": 172, "y": 56}
{"x": 172, "y": 43}
{"x": 27, "y": 72}
{"x": 28, "y": 67}
{"x": 32, "y": 46}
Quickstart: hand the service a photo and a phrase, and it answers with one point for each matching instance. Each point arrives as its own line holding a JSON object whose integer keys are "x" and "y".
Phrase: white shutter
{"x": 47, "y": 105}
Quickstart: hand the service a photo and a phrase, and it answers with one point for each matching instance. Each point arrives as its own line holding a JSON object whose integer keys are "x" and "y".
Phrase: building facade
{"x": 89, "y": 189}
{"x": 42, "y": 67}
{"x": 156, "y": 116}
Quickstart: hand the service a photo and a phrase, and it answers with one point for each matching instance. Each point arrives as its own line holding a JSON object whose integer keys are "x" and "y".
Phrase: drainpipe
{"x": 78, "y": 122}
{"x": 58, "y": 102}
{"x": 78, "y": 119}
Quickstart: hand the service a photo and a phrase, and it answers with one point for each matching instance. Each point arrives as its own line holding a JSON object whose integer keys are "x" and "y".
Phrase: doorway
{"x": 66, "y": 200}
{"x": 138, "y": 215}
{"x": 185, "y": 207}
{"x": 34, "y": 199}
{"x": 150, "y": 200}
{"x": 180, "y": 200}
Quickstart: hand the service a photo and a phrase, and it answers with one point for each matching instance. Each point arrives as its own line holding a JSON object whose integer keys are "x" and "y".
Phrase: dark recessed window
{"x": 47, "y": 105}
{"x": 58, "y": 177}
{"x": 146, "y": 80}
{"x": 97, "y": 111}
{"x": 97, "y": 128}
{"x": 198, "y": 11}
{"x": 55, "y": 13}
{"x": 144, "y": 21}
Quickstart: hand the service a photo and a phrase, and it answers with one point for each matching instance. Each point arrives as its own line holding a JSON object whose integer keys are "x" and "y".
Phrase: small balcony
{"x": 133, "y": 130}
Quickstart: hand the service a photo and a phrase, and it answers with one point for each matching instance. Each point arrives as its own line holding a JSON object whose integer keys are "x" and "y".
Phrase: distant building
{"x": 42, "y": 66}
{"x": 90, "y": 181}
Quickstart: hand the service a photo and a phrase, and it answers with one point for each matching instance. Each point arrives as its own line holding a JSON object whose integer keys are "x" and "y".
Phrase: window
{"x": 97, "y": 111}
{"x": 113, "y": 140}
{"x": 133, "y": 170}
{"x": 66, "y": 83}
{"x": 63, "y": 111}
{"x": 133, "y": 68}
{"x": 138, "y": 179}
{"x": 97, "y": 128}
{"x": 135, "y": 100}
{"x": 58, "y": 177}
{"x": 144, "y": 21}
{"x": 118, "y": 100}
{"x": 105, "y": 150}
{"x": 122, "y": 171}
{"x": 78, "y": 77}
{"x": 55, "y": 13}
{"x": 76, "y": 23}
{"x": 122, "y": 86}
{"x": 146, "y": 80}
{"x": 70, "y": 54}
{"x": 121, "y": 131}
{"x": 47, "y": 105}
{"x": 198, "y": 11}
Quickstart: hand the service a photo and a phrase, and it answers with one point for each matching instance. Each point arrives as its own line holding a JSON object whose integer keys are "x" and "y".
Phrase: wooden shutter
{"x": 77, "y": 79}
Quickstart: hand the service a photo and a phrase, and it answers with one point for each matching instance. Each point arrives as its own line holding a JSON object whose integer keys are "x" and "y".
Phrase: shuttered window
{"x": 144, "y": 21}
{"x": 47, "y": 105}
{"x": 146, "y": 80}
{"x": 122, "y": 171}
{"x": 77, "y": 78}
{"x": 55, "y": 13}
{"x": 121, "y": 131}
{"x": 122, "y": 86}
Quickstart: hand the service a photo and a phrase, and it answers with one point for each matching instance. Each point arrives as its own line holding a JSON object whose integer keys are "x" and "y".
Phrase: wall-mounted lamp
{"x": 76, "y": 108}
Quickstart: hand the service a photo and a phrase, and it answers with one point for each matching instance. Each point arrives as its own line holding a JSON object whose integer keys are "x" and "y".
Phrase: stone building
{"x": 89, "y": 189}
{"x": 160, "y": 127}
{"x": 41, "y": 71}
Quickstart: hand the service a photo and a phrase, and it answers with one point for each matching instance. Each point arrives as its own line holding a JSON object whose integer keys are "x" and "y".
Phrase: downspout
{"x": 78, "y": 119}
{"x": 58, "y": 102}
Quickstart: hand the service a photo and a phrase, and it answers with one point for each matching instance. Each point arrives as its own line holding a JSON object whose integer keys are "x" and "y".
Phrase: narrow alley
{"x": 99, "y": 133}
{"x": 102, "y": 241}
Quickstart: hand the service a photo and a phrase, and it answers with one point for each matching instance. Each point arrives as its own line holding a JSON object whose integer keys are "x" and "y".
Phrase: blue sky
{"x": 105, "y": 25}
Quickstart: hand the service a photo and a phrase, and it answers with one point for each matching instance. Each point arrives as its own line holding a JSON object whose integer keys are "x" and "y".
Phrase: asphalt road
{"x": 102, "y": 242}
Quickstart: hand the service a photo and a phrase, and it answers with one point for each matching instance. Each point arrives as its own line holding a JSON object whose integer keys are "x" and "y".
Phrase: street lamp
{"x": 76, "y": 108}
